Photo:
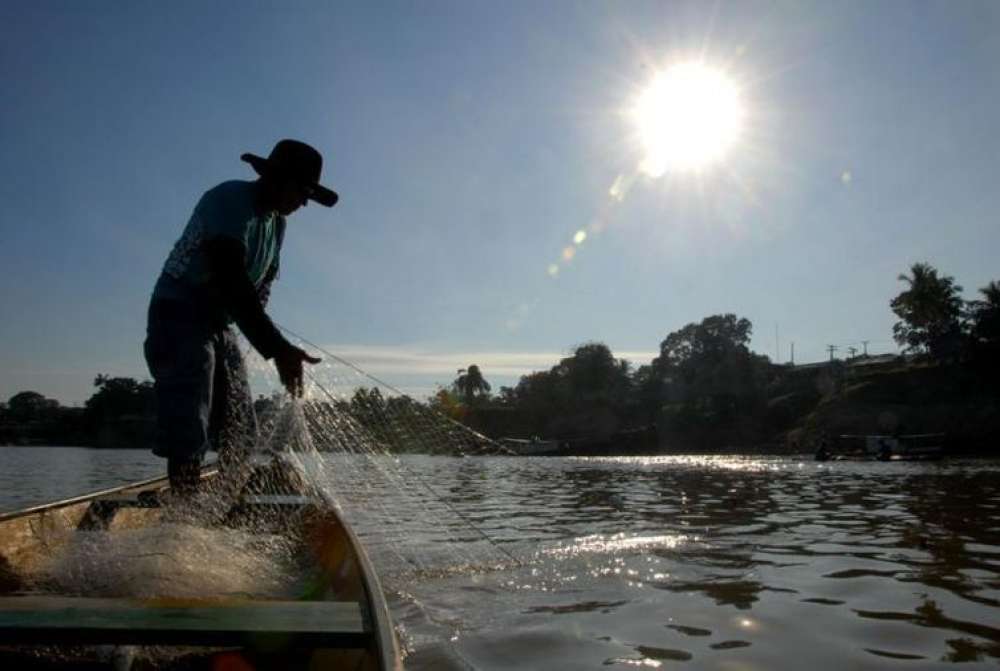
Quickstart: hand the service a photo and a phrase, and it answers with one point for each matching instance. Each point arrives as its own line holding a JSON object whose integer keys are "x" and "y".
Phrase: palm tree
{"x": 985, "y": 316}
{"x": 471, "y": 384}
{"x": 930, "y": 310}
{"x": 991, "y": 292}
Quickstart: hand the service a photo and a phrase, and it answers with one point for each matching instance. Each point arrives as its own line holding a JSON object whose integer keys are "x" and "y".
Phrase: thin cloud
{"x": 390, "y": 360}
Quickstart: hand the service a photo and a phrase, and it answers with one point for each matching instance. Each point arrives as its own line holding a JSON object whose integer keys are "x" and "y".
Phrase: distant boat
{"x": 528, "y": 447}
{"x": 876, "y": 447}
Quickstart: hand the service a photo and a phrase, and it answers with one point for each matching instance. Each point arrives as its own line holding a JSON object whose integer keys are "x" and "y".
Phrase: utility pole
{"x": 777, "y": 344}
{"x": 851, "y": 351}
{"x": 793, "y": 352}
{"x": 864, "y": 343}
{"x": 832, "y": 349}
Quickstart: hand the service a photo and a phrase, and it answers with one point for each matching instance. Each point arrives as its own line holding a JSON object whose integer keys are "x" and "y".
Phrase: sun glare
{"x": 687, "y": 119}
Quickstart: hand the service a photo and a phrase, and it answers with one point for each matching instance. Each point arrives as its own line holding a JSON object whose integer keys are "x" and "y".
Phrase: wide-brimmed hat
{"x": 298, "y": 161}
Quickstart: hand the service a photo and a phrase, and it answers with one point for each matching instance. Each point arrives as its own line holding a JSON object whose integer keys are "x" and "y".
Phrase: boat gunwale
{"x": 386, "y": 643}
{"x": 82, "y": 498}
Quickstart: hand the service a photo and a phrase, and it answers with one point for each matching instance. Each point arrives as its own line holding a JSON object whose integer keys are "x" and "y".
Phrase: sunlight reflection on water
{"x": 720, "y": 562}
{"x": 712, "y": 561}
{"x": 617, "y": 543}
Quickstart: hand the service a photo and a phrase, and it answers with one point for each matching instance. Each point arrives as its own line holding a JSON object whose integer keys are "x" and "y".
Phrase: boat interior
{"x": 334, "y": 618}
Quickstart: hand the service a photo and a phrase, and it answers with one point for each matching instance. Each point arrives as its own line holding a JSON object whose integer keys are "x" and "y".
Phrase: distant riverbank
{"x": 797, "y": 408}
{"x": 962, "y": 402}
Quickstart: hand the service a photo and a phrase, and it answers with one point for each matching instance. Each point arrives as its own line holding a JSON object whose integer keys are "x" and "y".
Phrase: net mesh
{"x": 349, "y": 436}
{"x": 346, "y": 441}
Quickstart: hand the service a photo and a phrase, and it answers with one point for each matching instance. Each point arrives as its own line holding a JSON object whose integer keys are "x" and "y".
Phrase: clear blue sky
{"x": 469, "y": 142}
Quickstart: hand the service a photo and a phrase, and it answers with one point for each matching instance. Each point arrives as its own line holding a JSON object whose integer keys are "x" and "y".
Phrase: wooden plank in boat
{"x": 70, "y": 620}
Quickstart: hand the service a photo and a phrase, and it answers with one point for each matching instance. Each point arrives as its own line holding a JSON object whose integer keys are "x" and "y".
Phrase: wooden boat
{"x": 912, "y": 447}
{"x": 342, "y": 622}
{"x": 530, "y": 447}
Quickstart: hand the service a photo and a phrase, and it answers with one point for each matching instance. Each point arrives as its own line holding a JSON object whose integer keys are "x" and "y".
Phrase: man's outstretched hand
{"x": 289, "y": 365}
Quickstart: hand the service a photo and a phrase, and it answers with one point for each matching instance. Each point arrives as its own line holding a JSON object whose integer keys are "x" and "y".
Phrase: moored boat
{"x": 873, "y": 447}
{"x": 530, "y": 447}
{"x": 339, "y": 618}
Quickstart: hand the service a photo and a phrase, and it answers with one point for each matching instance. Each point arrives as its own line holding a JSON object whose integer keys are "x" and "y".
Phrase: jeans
{"x": 200, "y": 380}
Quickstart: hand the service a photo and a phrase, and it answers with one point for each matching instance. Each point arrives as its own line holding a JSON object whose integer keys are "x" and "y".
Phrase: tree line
{"x": 705, "y": 388}
{"x": 120, "y": 413}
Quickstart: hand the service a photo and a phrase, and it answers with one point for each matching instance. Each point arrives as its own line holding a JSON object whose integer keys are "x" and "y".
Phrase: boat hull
{"x": 339, "y": 569}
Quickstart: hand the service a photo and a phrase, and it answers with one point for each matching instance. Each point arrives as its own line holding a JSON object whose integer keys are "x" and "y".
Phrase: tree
{"x": 448, "y": 404}
{"x": 584, "y": 394}
{"x": 539, "y": 396}
{"x": 368, "y": 405}
{"x": 29, "y": 405}
{"x": 930, "y": 311}
{"x": 470, "y": 385}
{"x": 984, "y": 317}
{"x": 507, "y": 396}
{"x": 707, "y": 374}
{"x": 116, "y": 398}
{"x": 593, "y": 373}
{"x": 648, "y": 388}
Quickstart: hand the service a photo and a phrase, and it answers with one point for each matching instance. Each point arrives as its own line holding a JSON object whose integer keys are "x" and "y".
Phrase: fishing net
{"x": 347, "y": 441}
{"x": 352, "y": 437}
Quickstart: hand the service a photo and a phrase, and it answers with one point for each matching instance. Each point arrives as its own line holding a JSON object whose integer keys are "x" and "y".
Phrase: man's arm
{"x": 225, "y": 258}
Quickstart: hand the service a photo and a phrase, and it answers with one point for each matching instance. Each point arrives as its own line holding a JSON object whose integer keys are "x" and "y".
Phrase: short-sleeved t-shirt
{"x": 224, "y": 211}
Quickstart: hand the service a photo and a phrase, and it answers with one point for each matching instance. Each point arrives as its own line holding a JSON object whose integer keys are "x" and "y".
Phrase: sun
{"x": 687, "y": 119}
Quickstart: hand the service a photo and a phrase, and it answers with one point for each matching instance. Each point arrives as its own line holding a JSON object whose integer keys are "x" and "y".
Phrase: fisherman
{"x": 823, "y": 452}
{"x": 220, "y": 271}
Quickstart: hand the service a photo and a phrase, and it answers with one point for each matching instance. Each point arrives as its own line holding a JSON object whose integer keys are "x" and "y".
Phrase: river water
{"x": 693, "y": 562}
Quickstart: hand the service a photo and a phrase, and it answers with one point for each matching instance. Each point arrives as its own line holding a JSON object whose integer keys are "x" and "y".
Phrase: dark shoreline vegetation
{"x": 705, "y": 392}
